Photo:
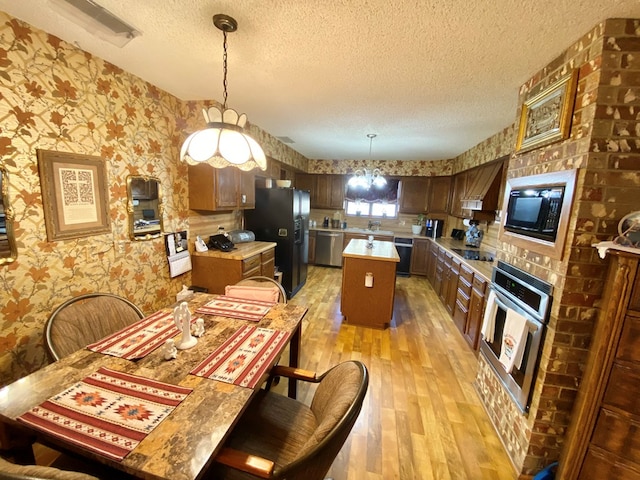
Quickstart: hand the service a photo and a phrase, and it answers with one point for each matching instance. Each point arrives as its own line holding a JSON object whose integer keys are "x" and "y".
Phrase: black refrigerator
{"x": 282, "y": 216}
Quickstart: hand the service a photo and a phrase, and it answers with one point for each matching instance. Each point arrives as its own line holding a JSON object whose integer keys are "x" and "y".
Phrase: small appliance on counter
{"x": 433, "y": 228}
{"x": 473, "y": 235}
{"x": 325, "y": 223}
{"x": 241, "y": 236}
{"x": 457, "y": 234}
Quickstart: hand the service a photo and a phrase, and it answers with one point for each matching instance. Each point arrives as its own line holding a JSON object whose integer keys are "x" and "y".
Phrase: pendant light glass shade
{"x": 223, "y": 142}
{"x": 365, "y": 179}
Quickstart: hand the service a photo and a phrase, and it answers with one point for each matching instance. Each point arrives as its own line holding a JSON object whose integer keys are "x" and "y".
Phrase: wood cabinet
{"x": 459, "y": 189}
{"x": 463, "y": 295}
{"x": 604, "y": 440}
{"x": 439, "y": 274}
{"x": 215, "y": 270}
{"x": 450, "y": 282}
{"x": 476, "y": 311}
{"x": 327, "y": 191}
{"x": 212, "y": 189}
{"x": 312, "y": 247}
{"x": 439, "y": 195}
{"x": 432, "y": 263}
{"x": 420, "y": 256}
{"x": 413, "y": 195}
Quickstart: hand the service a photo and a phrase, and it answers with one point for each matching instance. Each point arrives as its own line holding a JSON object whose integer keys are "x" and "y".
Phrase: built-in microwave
{"x": 535, "y": 211}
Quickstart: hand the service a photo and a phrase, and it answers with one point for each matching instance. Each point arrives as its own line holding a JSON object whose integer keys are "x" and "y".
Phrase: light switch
{"x": 368, "y": 279}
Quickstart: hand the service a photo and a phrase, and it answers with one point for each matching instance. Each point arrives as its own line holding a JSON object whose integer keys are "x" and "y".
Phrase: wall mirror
{"x": 8, "y": 250}
{"x": 145, "y": 207}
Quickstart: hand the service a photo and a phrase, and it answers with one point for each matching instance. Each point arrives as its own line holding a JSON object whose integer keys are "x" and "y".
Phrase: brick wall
{"x": 605, "y": 146}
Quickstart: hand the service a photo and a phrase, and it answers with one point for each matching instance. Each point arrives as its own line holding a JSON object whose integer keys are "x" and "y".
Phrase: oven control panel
{"x": 523, "y": 287}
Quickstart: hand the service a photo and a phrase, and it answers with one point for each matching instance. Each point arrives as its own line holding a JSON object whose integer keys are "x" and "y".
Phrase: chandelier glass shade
{"x": 365, "y": 179}
{"x": 223, "y": 142}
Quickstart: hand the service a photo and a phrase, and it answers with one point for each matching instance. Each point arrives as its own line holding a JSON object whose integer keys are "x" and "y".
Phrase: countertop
{"x": 483, "y": 268}
{"x": 242, "y": 251}
{"x": 381, "y": 250}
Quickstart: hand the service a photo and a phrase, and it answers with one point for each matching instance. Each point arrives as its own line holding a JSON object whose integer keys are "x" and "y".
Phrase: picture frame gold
{"x": 74, "y": 194}
{"x": 546, "y": 117}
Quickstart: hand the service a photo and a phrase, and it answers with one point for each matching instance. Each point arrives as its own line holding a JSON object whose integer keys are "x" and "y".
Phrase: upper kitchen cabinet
{"x": 214, "y": 189}
{"x": 327, "y": 191}
{"x": 413, "y": 194}
{"x": 438, "y": 195}
{"x": 458, "y": 192}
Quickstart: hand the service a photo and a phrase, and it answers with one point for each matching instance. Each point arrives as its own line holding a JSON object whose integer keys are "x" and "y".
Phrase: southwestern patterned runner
{"x": 243, "y": 358}
{"x": 139, "y": 338}
{"x": 233, "y": 307}
{"x": 108, "y": 412}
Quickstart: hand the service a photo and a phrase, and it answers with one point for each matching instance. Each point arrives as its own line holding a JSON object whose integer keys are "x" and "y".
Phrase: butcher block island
{"x": 368, "y": 283}
{"x": 215, "y": 269}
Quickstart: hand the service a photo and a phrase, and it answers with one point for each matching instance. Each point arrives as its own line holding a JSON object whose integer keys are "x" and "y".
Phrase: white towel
{"x": 489, "y": 319}
{"x": 514, "y": 338}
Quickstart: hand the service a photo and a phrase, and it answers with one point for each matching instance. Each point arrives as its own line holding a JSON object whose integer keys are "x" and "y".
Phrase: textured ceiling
{"x": 432, "y": 78}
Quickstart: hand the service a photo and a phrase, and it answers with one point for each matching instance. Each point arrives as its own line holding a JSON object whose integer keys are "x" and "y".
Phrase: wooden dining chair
{"x": 12, "y": 471}
{"x": 263, "y": 282}
{"x": 279, "y": 437}
{"x": 86, "y": 319}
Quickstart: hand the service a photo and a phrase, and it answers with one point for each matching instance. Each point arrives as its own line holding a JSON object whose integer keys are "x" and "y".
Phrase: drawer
{"x": 268, "y": 255}
{"x": 254, "y": 272}
{"x": 466, "y": 273}
{"x": 618, "y": 434}
{"x": 479, "y": 283}
{"x": 464, "y": 286}
{"x": 251, "y": 263}
{"x": 455, "y": 265}
{"x": 599, "y": 465}
{"x": 623, "y": 389}
{"x": 462, "y": 299}
{"x": 629, "y": 347}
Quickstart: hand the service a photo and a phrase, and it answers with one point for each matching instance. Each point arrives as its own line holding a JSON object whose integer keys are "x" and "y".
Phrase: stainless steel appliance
{"x": 282, "y": 216}
{"x": 433, "y": 228}
{"x": 530, "y": 297}
{"x": 404, "y": 247}
{"x": 329, "y": 248}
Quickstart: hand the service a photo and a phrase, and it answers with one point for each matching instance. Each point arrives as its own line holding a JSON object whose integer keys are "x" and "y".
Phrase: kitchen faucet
{"x": 374, "y": 224}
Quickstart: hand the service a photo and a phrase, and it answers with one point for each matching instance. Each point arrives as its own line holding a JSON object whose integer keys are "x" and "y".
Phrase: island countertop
{"x": 384, "y": 251}
{"x": 242, "y": 251}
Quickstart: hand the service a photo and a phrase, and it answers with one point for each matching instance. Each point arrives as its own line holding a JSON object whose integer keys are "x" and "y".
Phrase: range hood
{"x": 483, "y": 188}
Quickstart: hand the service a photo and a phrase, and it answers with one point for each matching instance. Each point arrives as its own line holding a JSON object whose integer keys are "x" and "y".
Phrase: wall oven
{"x": 530, "y": 297}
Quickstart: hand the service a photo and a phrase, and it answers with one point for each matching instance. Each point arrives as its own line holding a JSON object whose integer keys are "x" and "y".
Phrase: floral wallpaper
{"x": 420, "y": 168}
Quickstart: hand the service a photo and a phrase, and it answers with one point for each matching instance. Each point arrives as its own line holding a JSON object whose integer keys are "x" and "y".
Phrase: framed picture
{"x": 74, "y": 194}
{"x": 546, "y": 117}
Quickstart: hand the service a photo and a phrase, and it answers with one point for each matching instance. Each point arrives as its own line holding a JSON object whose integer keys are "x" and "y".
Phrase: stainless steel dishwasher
{"x": 329, "y": 248}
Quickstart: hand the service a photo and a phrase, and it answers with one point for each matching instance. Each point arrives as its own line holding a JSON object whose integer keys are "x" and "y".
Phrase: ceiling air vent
{"x": 96, "y": 20}
{"x": 285, "y": 140}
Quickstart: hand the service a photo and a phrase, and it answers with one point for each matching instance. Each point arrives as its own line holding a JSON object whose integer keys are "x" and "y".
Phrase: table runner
{"x": 140, "y": 338}
{"x": 243, "y": 358}
{"x": 234, "y": 307}
{"x": 108, "y": 412}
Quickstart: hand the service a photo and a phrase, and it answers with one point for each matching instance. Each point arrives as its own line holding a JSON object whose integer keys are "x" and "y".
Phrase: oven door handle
{"x": 532, "y": 325}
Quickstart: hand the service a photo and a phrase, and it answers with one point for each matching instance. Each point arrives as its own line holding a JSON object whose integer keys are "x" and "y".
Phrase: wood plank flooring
{"x": 421, "y": 418}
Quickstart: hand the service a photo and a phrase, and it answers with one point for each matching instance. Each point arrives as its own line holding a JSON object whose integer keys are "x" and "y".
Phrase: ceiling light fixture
{"x": 223, "y": 142}
{"x": 363, "y": 178}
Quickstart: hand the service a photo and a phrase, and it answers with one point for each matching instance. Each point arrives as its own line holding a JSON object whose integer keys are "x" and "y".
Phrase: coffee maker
{"x": 433, "y": 228}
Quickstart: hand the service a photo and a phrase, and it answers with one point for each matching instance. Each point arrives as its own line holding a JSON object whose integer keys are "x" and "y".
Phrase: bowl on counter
{"x": 283, "y": 183}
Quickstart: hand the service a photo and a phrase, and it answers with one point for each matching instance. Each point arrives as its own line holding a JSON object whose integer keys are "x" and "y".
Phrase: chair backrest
{"x": 86, "y": 319}
{"x": 260, "y": 281}
{"x": 11, "y": 471}
{"x": 336, "y": 406}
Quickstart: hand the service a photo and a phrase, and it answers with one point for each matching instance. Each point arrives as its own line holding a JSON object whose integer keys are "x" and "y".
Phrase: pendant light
{"x": 363, "y": 178}
{"x": 223, "y": 141}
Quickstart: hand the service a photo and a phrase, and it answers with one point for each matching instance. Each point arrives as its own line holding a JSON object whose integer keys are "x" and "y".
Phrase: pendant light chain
{"x": 224, "y": 67}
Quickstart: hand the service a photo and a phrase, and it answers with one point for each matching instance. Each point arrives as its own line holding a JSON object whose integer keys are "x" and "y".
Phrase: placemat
{"x": 243, "y": 358}
{"x": 235, "y": 307}
{"x": 140, "y": 338}
{"x": 108, "y": 412}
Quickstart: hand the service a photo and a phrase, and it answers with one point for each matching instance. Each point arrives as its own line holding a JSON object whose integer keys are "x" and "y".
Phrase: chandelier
{"x": 223, "y": 141}
{"x": 364, "y": 178}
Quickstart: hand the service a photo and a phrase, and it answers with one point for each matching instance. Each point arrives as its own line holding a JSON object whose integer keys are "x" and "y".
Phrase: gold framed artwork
{"x": 546, "y": 117}
{"x": 74, "y": 194}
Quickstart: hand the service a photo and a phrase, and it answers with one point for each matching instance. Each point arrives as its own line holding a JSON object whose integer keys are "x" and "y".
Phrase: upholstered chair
{"x": 11, "y": 471}
{"x": 86, "y": 319}
{"x": 282, "y": 438}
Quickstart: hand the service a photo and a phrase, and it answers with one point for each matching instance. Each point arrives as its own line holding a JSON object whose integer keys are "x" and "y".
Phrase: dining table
{"x": 188, "y": 439}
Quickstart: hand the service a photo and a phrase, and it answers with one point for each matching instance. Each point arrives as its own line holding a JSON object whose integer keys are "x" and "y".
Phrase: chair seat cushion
{"x": 251, "y": 292}
{"x": 274, "y": 427}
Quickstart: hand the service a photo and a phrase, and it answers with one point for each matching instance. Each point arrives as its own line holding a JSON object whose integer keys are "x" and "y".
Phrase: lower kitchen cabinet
{"x": 476, "y": 312}
{"x": 214, "y": 270}
{"x": 312, "y": 247}
{"x": 420, "y": 256}
{"x": 463, "y": 294}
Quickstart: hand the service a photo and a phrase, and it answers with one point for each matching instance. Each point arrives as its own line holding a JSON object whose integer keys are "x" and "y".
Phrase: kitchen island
{"x": 368, "y": 283}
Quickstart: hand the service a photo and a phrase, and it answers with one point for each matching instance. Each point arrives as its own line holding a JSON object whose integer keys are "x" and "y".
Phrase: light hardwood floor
{"x": 422, "y": 418}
